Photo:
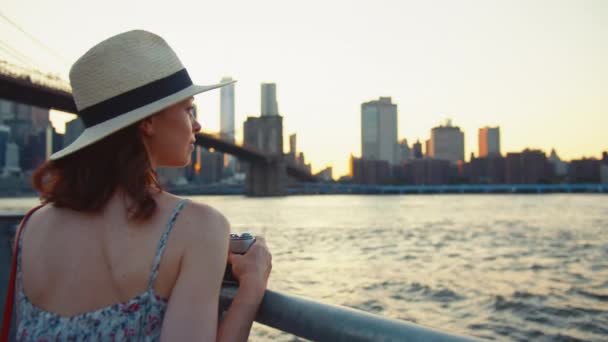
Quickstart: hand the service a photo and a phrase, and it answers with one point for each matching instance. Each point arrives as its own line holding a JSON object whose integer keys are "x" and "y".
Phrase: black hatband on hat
{"x": 135, "y": 98}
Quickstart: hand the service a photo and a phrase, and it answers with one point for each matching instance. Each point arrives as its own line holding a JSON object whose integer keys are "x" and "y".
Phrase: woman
{"x": 110, "y": 255}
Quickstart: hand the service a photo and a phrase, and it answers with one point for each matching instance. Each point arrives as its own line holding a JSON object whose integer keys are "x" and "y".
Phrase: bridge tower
{"x": 266, "y": 178}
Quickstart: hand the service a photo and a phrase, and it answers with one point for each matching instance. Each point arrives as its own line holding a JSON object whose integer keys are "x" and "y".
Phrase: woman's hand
{"x": 252, "y": 269}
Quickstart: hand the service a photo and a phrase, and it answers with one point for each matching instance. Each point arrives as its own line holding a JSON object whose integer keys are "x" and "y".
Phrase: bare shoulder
{"x": 42, "y": 216}
{"x": 39, "y": 217}
{"x": 43, "y": 213}
{"x": 201, "y": 222}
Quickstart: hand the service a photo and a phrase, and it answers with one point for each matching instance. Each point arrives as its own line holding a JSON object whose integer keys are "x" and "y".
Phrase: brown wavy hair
{"x": 85, "y": 180}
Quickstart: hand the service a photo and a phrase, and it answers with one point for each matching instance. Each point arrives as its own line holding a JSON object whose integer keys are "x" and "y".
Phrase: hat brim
{"x": 95, "y": 133}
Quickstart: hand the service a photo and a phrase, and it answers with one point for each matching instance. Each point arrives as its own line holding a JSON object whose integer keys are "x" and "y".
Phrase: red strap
{"x": 10, "y": 294}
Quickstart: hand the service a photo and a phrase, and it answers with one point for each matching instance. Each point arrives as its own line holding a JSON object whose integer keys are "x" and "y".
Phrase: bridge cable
{"x": 16, "y": 54}
{"x": 34, "y": 39}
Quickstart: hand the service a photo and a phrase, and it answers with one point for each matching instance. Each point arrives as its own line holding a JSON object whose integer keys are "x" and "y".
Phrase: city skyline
{"x": 27, "y": 138}
{"x": 534, "y": 69}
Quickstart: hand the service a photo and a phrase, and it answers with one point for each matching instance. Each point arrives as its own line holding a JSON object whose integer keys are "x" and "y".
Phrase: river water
{"x": 503, "y": 267}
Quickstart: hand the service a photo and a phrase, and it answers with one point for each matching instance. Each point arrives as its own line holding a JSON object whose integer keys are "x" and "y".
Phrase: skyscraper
{"x": 227, "y": 128}
{"x": 49, "y": 141}
{"x": 405, "y": 153}
{"x": 5, "y": 133}
{"x": 72, "y": 130}
{"x": 21, "y": 123}
{"x": 40, "y": 119}
{"x": 489, "y": 141}
{"x": 379, "y": 130}
{"x": 292, "y": 144}
{"x": 7, "y": 110}
{"x": 227, "y": 111}
{"x": 212, "y": 163}
{"x": 12, "y": 162}
{"x": 417, "y": 149}
{"x": 269, "y": 100}
{"x": 447, "y": 143}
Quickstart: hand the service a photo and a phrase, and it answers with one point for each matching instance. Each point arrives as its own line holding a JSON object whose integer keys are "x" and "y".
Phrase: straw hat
{"x": 124, "y": 79}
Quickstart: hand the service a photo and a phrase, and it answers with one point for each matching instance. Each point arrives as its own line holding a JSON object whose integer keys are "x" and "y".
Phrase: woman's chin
{"x": 176, "y": 163}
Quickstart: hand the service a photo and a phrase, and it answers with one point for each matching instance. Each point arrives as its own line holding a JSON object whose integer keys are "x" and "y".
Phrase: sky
{"x": 536, "y": 68}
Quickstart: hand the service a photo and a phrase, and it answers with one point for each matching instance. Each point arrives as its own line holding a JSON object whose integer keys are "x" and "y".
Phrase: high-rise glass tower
{"x": 379, "y": 130}
{"x": 269, "y": 100}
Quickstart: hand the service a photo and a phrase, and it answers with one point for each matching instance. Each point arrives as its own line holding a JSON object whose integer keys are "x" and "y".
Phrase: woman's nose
{"x": 196, "y": 127}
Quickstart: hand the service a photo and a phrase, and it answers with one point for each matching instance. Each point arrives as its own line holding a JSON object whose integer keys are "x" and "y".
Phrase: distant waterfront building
{"x": 586, "y": 170}
{"x": 19, "y": 119}
{"x": 417, "y": 150}
{"x": 326, "y": 174}
{"x": 291, "y": 157}
{"x": 227, "y": 127}
{"x": 5, "y": 134}
{"x": 28, "y": 126}
{"x": 604, "y": 168}
{"x": 49, "y": 141}
{"x": 489, "y": 141}
{"x": 425, "y": 172}
{"x": 7, "y": 110}
{"x": 379, "y": 130}
{"x": 72, "y": 130}
{"x": 265, "y": 133}
{"x": 12, "y": 162}
{"x": 447, "y": 143}
{"x": 292, "y": 144}
{"x": 227, "y": 111}
{"x": 560, "y": 168}
{"x": 486, "y": 170}
{"x": 32, "y": 152}
{"x": 370, "y": 171}
{"x": 528, "y": 167}
{"x": 212, "y": 164}
{"x": 269, "y": 102}
{"x": 404, "y": 151}
{"x": 40, "y": 119}
{"x": 301, "y": 162}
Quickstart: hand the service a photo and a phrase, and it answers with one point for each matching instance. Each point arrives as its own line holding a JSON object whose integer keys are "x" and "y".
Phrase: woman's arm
{"x": 192, "y": 313}
{"x": 237, "y": 322}
{"x": 252, "y": 270}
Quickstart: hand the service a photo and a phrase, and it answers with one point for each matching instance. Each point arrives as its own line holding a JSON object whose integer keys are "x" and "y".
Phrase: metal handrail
{"x": 316, "y": 321}
{"x": 295, "y": 315}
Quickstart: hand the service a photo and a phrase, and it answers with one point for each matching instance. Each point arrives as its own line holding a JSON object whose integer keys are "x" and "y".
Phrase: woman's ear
{"x": 146, "y": 126}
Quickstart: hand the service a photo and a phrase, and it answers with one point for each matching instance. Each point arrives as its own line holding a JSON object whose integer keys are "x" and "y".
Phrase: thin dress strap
{"x": 162, "y": 244}
{"x": 19, "y": 244}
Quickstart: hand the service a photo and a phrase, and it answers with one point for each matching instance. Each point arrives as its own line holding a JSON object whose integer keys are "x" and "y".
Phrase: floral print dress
{"x": 138, "y": 319}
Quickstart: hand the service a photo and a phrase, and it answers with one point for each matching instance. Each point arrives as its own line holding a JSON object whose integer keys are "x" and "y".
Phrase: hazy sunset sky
{"x": 538, "y": 69}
